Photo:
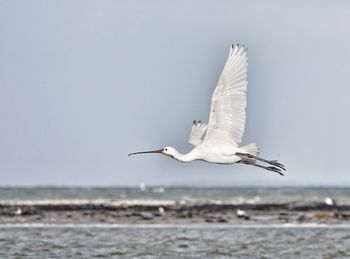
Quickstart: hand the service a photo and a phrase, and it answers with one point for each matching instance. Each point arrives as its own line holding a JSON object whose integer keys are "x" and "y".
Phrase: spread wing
{"x": 197, "y": 133}
{"x": 228, "y": 103}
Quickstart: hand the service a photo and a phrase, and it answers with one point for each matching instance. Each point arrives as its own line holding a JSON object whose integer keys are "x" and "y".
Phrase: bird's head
{"x": 168, "y": 151}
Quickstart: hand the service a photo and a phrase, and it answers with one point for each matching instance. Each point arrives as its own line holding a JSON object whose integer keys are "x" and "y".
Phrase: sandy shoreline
{"x": 169, "y": 212}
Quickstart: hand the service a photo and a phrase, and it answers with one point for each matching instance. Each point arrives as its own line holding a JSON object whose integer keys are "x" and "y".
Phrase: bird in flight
{"x": 219, "y": 140}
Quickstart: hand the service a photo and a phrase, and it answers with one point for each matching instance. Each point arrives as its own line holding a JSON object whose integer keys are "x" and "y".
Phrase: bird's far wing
{"x": 228, "y": 103}
{"x": 197, "y": 133}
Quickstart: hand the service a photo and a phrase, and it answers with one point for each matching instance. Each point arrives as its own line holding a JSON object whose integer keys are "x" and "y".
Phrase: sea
{"x": 218, "y": 240}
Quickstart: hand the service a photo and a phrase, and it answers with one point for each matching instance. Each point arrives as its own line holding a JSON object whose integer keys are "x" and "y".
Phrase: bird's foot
{"x": 275, "y": 169}
{"x": 277, "y": 164}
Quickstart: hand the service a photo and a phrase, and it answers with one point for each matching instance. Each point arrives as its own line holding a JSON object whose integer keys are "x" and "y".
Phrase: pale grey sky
{"x": 83, "y": 83}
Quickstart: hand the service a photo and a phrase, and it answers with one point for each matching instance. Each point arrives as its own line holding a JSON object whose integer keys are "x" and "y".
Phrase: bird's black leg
{"x": 249, "y": 161}
{"x": 270, "y": 162}
{"x": 269, "y": 168}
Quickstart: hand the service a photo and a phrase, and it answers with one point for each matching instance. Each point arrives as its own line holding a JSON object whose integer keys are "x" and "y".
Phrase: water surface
{"x": 228, "y": 194}
{"x": 174, "y": 242}
{"x": 22, "y": 240}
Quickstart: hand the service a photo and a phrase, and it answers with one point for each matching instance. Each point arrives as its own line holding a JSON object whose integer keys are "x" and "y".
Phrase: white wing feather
{"x": 228, "y": 103}
{"x": 197, "y": 133}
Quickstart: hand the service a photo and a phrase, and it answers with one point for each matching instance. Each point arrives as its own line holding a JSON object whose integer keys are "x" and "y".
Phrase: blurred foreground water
{"x": 179, "y": 242}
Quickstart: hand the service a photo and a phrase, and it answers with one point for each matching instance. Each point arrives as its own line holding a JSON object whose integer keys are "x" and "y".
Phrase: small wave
{"x": 186, "y": 226}
{"x": 128, "y": 202}
{"x": 160, "y": 202}
{"x": 121, "y": 202}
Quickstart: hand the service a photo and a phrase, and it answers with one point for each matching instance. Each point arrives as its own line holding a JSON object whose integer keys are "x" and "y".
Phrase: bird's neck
{"x": 190, "y": 156}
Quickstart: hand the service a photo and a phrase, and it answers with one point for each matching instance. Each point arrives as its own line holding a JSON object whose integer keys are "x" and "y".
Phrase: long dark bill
{"x": 146, "y": 152}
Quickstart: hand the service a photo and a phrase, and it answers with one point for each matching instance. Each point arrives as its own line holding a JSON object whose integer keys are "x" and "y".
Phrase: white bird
{"x": 219, "y": 140}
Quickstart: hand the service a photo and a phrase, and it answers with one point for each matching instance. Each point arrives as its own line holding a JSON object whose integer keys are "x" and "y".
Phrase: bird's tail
{"x": 252, "y": 149}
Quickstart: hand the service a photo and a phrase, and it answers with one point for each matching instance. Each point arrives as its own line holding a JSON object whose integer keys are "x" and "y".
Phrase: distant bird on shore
{"x": 219, "y": 140}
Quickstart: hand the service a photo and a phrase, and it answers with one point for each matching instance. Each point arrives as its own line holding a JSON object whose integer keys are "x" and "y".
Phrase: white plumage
{"x": 197, "y": 133}
{"x": 219, "y": 140}
{"x": 228, "y": 103}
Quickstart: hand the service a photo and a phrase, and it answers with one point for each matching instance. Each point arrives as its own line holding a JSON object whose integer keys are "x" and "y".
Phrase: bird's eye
{"x": 166, "y": 149}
